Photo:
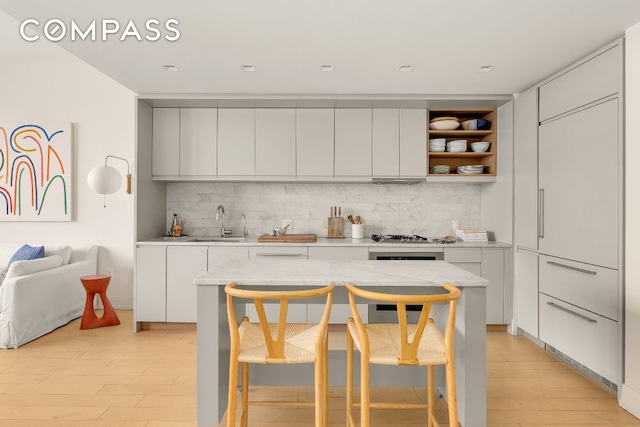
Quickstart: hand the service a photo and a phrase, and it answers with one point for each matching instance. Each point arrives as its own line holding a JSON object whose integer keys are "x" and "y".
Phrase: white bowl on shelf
{"x": 444, "y": 125}
{"x": 480, "y": 146}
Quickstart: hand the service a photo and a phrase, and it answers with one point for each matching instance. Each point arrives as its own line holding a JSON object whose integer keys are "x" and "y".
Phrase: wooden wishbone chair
{"x": 402, "y": 344}
{"x": 278, "y": 343}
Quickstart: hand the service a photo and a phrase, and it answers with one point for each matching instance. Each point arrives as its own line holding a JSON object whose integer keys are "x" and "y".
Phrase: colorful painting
{"x": 36, "y": 172}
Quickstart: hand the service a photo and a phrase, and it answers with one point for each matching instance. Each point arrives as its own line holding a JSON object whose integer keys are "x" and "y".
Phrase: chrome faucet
{"x": 224, "y": 232}
{"x": 244, "y": 225}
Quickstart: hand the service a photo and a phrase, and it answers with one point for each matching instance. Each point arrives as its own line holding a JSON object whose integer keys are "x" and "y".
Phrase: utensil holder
{"x": 335, "y": 227}
{"x": 357, "y": 231}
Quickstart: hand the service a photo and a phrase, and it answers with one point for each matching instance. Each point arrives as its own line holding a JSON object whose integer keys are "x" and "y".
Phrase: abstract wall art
{"x": 36, "y": 171}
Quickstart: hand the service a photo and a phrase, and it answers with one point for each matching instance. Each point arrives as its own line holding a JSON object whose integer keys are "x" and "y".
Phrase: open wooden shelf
{"x": 488, "y": 158}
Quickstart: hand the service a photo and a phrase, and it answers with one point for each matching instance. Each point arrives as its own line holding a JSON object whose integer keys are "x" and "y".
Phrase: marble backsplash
{"x": 423, "y": 209}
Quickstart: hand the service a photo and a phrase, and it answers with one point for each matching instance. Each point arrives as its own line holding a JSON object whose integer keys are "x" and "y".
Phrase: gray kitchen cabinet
{"x": 151, "y": 284}
{"x": 413, "y": 143}
{"x": 219, "y": 254}
{"x": 493, "y": 269}
{"x": 166, "y": 142}
{"x": 314, "y": 142}
{"x": 184, "y": 263}
{"x": 579, "y": 186}
{"x": 339, "y": 312}
{"x": 589, "y": 81}
{"x": 353, "y": 152}
{"x": 198, "y": 142}
{"x": 275, "y": 142}
{"x": 296, "y": 312}
{"x": 236, "y": 142}
{"x": 525, "y": 184}
{"x": 526, "y": 169}
{"x": 526, "y": 290}
{"x": 491, "y": 264}
{"x": 386, "y": 142}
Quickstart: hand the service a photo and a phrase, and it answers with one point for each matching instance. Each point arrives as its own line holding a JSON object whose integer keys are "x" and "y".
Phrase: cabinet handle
{"x": 271, "y": 254}
{"x": 569, "y": 267}
{"x": 566, "y": 310}
{"x": 541, "y": 213}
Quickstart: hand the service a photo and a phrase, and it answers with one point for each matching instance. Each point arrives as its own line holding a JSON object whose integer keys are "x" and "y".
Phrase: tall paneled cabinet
{"x": 568, "y": 213}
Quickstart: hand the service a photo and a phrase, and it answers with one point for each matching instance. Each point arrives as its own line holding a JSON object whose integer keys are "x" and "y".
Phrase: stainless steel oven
{"x": 387, "y": 313}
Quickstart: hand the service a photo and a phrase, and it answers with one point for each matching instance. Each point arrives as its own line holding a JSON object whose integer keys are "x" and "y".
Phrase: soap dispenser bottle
{"x": 176, "y": 226}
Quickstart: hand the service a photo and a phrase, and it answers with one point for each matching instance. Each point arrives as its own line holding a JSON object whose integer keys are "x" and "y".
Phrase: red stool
{"x": 97, "y": 284}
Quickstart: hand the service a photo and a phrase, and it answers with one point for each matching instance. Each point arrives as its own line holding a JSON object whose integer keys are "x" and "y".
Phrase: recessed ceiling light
{"x": 171, "y": 68}
{"x": 484, "y": 69}
{"x": 406, "y": 68}
{"x": 248, "y": 68}
{"x": 326, "y": 68}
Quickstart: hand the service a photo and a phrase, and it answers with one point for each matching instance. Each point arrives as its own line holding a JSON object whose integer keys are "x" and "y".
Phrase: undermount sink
{"x": 218, "y": 239}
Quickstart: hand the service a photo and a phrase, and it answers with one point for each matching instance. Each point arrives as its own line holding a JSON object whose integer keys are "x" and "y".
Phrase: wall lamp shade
{"x": 106, "y": 179}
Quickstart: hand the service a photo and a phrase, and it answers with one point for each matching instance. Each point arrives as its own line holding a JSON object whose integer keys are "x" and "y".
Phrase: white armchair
{"x": 35, "y": 304}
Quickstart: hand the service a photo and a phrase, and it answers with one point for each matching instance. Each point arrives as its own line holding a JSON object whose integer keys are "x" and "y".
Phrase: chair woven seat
{"x": 385, "y": 343}
{"x": 299, "y": 342}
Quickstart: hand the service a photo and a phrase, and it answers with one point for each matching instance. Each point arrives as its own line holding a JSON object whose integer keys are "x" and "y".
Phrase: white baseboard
{"x": 630, "y": 400}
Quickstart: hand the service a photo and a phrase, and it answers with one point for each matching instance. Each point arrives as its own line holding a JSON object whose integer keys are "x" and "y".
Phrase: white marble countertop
{"x": 259, "y": 272}
{"x": 320, "y": 241}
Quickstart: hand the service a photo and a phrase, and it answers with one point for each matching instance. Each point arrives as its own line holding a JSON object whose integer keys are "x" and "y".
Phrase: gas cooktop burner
{"x": 406, "y": 238}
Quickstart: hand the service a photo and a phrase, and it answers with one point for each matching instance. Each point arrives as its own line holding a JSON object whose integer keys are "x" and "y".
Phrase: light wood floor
{"x": 110, "y": 377}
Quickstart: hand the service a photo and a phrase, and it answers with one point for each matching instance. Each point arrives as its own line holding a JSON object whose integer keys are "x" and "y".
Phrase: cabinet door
{"x": 526, "y": 284}
{"x": 166, "y": 142}
{"x": 386, "y": 142}
{"x": 151, "y": 284}
{"x": 275, "y": 142}
{"x": 198, "y": 141}
{"x": 339, "y": 312}
{"x": 353, "y": 142}
{"x": 184, "y": 263}
{"x": 217, "y": 255}
{"x": 236, "y": 142}
{"x": 314, "y": 142}
{"x": 413, "y": 143}
{"x": 579, "y": 186}
{"x": 493, "y": 271}
{"x": 593, "y": 80}
{"x": 526, "y": 169}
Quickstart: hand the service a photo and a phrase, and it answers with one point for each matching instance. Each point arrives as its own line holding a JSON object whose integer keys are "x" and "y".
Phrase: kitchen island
{"x": 397, "y": 276}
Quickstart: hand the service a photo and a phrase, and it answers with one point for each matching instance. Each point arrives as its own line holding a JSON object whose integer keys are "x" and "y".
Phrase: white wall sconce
{"x": 106, "y": 179}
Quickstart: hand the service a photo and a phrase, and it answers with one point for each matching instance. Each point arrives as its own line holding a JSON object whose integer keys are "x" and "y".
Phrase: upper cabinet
{"x": 353, "y": 154}
{"x": 275, "y": 142}
{"x": 587, "y": 82}
{"x": 456, "y": 160}
{"x": 314, "y": 142}
{"x": 184, "y": 142}
{"x": 413, "y": 145}
{"x": 166, "y": 142}
{"x": 399, "y": 143}
{"x": 236, "y": 142}
{"x": 198, "y": 142}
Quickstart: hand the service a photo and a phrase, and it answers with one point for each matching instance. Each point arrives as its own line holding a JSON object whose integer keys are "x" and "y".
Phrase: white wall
{"x": 103, "y": 116}
{"x": 630, "y": 398}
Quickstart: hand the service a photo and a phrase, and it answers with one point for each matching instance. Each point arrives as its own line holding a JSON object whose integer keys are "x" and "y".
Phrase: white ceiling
{"x": 365, "y": 40}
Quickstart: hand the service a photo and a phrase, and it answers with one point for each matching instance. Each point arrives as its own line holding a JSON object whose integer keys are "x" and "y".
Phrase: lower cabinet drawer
{"x": 587, "y": 286}
{"x": 589, "y": 339}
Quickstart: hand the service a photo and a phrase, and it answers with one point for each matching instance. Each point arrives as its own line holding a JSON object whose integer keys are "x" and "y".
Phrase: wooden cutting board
{"x": 288, "y": 238}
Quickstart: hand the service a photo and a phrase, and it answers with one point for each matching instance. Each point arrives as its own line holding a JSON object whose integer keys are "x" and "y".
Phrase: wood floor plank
{"x": 114, "y": 377}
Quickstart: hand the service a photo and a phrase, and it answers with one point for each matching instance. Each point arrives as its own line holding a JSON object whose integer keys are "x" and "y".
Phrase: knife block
{"x": 335, "y": 227}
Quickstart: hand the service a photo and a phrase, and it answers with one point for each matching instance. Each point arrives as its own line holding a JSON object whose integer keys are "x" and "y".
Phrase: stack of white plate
{"x": 471, "y": 169}
{"x": 439, "y": 169}
{"x": 457, "y": 146}
{"x": 437, "y": 144}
